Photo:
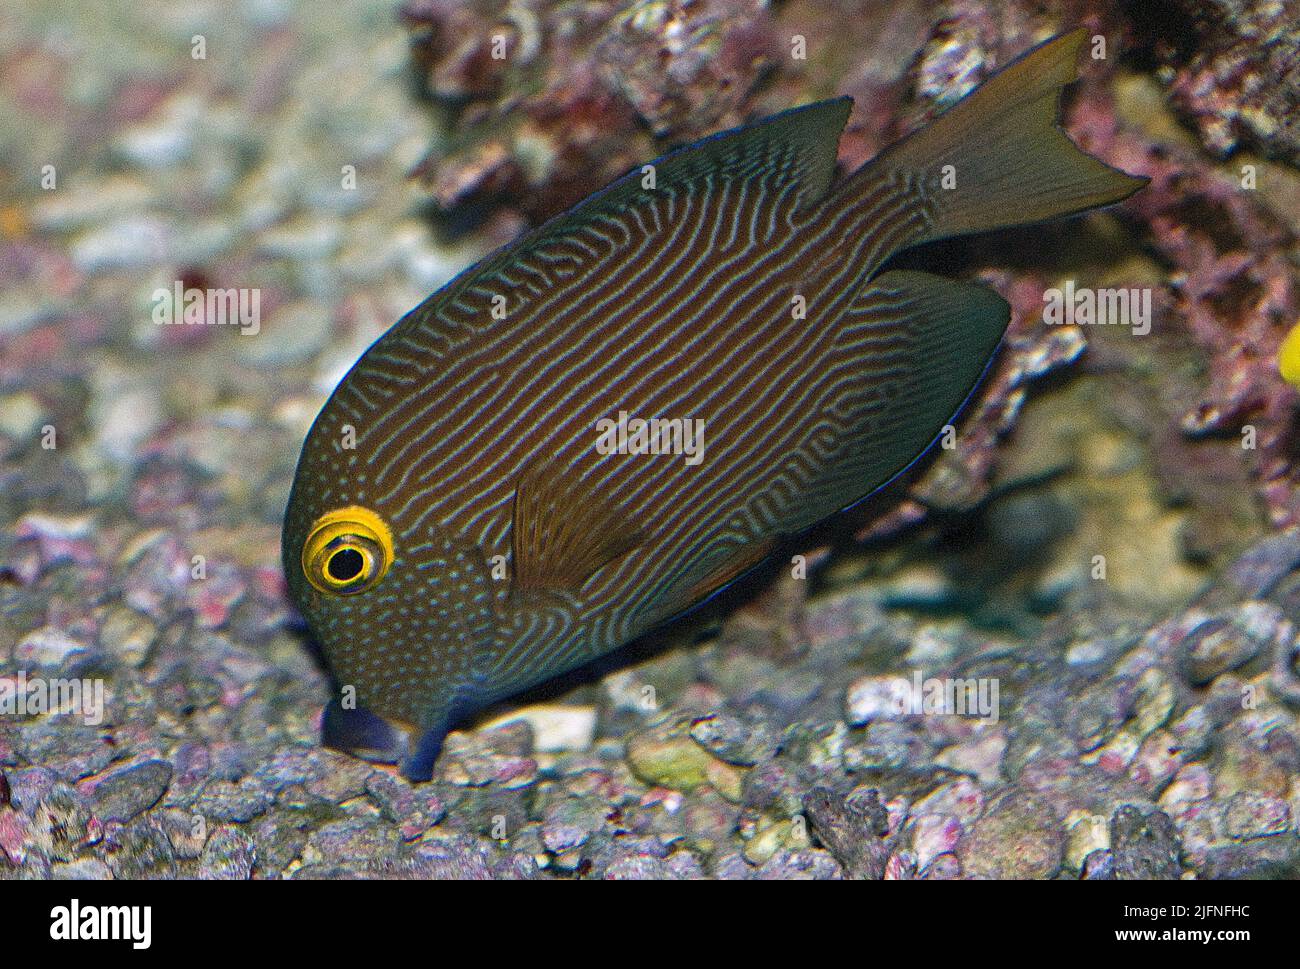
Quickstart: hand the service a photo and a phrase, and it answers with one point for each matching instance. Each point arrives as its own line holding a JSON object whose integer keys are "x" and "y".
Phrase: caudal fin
{"x": 1011, "y": 162}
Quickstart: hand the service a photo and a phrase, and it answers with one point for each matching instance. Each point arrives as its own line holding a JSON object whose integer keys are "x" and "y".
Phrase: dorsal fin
{"x": 798, "y": 146}
{"x": 793, "y": 148}
{"x": 564, "y": 531}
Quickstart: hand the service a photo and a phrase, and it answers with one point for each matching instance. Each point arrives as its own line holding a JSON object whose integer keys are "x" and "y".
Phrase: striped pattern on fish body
{"x": 496, "y": 546}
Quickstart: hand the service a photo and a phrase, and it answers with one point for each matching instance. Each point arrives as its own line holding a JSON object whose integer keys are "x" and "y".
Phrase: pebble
{"x": 1144, "y": 846}
{"x": 128, "y": 791}
{"x": 1253, "y": 815}
{"x": 934, "y": 835}
{"x": 734, "y": 741}
{"x": 62, "y": 824}
{"x": 639, "y": 868}
{"x": 773, "y": 835}
{"x": 49, "y": 648}
{"x": 853, "y": 827}
{"x": 1087, "y": 833}
{"x": 800, "y": 864}
{"x": 414, "y": 809}
{"x": 68, "y": 748}
{"x": 1219, "y": 645}
{"x": 1258, "y": 571}
{"x": 360, "y": 839}
{"x": 21, "y": 415}
{"x": 666, "y": 756}
{"x": 1157, "y": 761}
{"x": 1018, "y": 837}
{"x": 1099, "y": 866}
{"x": 127, "y": 635}
{"x": 132, "y": 242}
{"x": 187, "y": 832}
{"x": 873, "y": 698}
{"x": 347, "y": 777}
{"x": 981, "y": 756}
{"x": 944, "y": 868}
{"x": 83, "y": 869}
{"x": 166, "y": 141}
{"x": 1086, "y": 653}
{"x": 556, "y": 727}
{"x": 1193, "y": 782}
{"x": 141, "y": 850}
{"x": 961, "y": 798}
{"x": 279, "y": 839}
{"x": 233, "y": 801}
{"x": 1156, "y": 695}
{"x": 570, "y": 822}
{"x": 90, "y": 200}
{"x": 229, "y": 855}
{"x": 125, "y": 412}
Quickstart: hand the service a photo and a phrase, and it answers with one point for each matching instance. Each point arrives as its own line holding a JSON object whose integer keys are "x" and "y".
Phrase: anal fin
{"x": 920, "y": 344}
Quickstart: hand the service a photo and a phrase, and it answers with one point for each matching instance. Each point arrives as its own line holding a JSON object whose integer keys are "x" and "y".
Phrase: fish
{"x": 494, "y": 495}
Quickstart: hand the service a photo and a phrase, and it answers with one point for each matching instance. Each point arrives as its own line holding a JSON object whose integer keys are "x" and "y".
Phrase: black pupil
{"x": 345, "y": 564}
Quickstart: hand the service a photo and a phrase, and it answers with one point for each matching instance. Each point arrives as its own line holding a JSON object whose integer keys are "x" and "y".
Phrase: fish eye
{"x": 347, "y": 551}
{"x": 345, "y": 564}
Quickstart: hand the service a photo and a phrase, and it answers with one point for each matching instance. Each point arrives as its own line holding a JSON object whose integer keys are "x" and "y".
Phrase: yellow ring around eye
{"x": 347, "y": 551}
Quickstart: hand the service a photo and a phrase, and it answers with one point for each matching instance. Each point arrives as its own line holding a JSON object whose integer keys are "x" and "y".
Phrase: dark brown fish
{"x": 475, "y": 509}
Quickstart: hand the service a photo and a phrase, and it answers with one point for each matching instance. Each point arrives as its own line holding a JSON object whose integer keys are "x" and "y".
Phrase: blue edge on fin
{"x": 418, "y": 764}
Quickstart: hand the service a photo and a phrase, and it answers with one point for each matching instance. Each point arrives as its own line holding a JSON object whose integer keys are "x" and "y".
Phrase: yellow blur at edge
{"x": 1288, "y": 357}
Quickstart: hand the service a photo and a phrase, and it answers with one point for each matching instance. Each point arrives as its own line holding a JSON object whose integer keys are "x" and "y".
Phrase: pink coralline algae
{"x": 1235, "y": 72}
{"x": 549, "y": 100}
{"x": 1235, "y": 292}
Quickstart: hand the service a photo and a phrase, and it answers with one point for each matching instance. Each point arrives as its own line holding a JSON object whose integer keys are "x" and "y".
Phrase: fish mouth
{"x": 368, "y": 736}
{"x": 361, "y": 733}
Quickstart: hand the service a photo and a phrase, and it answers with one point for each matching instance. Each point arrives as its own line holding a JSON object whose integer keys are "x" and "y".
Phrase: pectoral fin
{"x": 731, "y": 569}
{"x": 713, "y": 571}
{"x": 564, "y": 531}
